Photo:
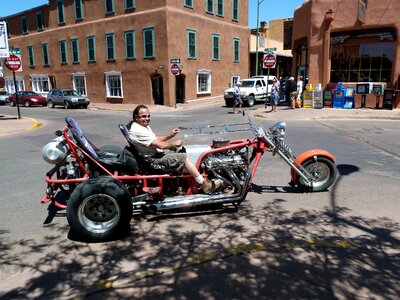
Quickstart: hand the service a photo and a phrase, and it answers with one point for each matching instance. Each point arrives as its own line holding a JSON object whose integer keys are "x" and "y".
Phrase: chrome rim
{"x": 320, "y": 173}
{"x": 99, "y": 213}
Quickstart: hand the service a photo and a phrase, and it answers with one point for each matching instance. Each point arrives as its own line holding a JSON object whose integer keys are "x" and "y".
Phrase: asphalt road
{"x": 280, "y": 244}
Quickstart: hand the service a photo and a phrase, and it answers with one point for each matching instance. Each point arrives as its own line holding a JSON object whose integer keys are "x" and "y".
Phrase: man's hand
{"x": 174, "y": 132}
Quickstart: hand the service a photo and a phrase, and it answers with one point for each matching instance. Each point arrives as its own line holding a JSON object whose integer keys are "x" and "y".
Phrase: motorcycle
{"x": 104, "y": 185}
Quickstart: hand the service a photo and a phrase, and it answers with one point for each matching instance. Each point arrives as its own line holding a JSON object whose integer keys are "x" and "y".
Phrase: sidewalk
{"x": 10, "y": 125}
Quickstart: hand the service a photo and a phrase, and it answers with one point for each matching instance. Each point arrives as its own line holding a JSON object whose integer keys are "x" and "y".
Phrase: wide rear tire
{"x": 100, "y": 209}
{"x": 324, "y": 172}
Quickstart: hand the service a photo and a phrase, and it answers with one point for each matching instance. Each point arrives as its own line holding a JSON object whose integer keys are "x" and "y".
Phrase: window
{"x": 220, "y": 8}
{"x": 79, "y": 83}
{"x": 60, "y": 11}
{"x": 110, "y": 46}
{"x": 188, "y": 3}
{"x": 129, "y": 4}
{"x": 130, "y": 44}
{"x": 114, "y": 84}
{"x": 91, "y": 46}
{"x": 210, "y": 6}
{"x": 236, "y": 50}
{"x": 24, "y": 25}
{"x": 148, "y": 42}
{"x": 215, "y": 47}
{"x": 9, "y": 84}
{"x": 203, "y": 82}
{"x": 31, "y": 56}
{"x": 78, "y": 10}
{"x": 235, "y": 79}
{"x": 39, "y": 21}
{"x": 191, "y": 43}
{"x": 235, "y": 10}
{"x": 45, "y": 53}
{"x": 63, "y": 52}
{"x": 109, "y": 6}
{"x": 40, "y": 83}
{"x": 75, "y": 51}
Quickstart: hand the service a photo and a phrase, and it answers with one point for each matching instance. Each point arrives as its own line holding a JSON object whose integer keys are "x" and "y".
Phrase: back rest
{"x": 80, "y": 138}
{"x": 131, "y": 143}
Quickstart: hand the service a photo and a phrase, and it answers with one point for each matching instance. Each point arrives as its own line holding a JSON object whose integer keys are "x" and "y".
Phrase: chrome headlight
{"x": 55, "y": 151}
{"x": 278, "y": 130}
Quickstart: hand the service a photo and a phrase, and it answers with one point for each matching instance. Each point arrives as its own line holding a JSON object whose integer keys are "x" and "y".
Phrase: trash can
{"x": 389, "y": 96}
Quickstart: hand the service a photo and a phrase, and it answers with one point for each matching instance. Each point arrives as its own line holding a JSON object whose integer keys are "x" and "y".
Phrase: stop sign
{"x": 269, "y": 61}
{"x": 13, "y": 63}
{"x": 175, "y": 69}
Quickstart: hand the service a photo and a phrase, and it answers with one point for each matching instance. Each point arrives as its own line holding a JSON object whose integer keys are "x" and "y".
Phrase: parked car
{"x": 251, "y": 90}
{"x": 4, "y": 97}
{"x": 66, "y": 97}
{"x": 27, "y": 98}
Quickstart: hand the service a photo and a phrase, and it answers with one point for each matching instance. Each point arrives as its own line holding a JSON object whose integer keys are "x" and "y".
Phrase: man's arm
{"x": 169, "y": 136}
{"x": 158, "y": 143}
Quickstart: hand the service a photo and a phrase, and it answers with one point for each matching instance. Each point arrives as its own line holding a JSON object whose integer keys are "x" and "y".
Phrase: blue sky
{"x": 269, "y": 9}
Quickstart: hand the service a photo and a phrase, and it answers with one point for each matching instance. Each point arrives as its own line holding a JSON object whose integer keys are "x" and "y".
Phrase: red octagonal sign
{"x": 175, "y": 69}
{"x": 269, "y": 61}
{"x": 13, "y": 63}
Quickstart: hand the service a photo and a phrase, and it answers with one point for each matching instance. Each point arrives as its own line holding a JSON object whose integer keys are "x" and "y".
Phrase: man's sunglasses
{"x": 144, "y": 116}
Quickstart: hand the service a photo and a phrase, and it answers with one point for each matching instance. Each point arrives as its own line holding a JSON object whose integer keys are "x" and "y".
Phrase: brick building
{"x": 120, "y": 51}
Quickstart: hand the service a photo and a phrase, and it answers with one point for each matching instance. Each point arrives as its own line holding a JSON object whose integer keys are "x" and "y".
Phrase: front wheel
{"x": 27, "y": 104}
{"x": 12, "y": 103}
{"x": 50, "y": 104}
{"x": 100, "y": 209}
{"x": 323, "y": 172}
{"x": 67, "y": 105}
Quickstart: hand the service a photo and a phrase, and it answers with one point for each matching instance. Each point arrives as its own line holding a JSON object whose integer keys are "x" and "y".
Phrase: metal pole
{"x": 258, "y": 15}
{"x": 16, "y": 95}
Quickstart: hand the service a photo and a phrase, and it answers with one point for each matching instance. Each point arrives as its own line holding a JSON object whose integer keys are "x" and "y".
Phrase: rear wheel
{"x": 67, "y": 105}
{"x": 323, "y": 172}
{"x": 100, "y": 209}
{"x": 251, "y": 101}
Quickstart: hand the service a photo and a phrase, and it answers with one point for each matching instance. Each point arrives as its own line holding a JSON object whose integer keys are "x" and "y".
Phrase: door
{"x": 157, "y": 89}
{"x": 180, "y": 88}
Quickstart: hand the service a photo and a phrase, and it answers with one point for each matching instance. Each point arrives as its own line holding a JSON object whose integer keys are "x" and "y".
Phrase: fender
{"x": 307, "y": 155}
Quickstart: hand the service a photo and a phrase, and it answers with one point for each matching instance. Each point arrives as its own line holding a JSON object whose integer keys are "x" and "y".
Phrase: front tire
{"x": 324, "y": 173}
{"x": 100, "y": 209}
{"x": 67, "y": 105}
{"x": 50, "y": 104}
{"x": 27, "y": 104}
{"x": 12, "y": 103}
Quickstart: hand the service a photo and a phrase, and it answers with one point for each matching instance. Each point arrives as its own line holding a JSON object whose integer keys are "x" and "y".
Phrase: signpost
{"x": 269, "y": 62}
{"x": 14, "y": 64}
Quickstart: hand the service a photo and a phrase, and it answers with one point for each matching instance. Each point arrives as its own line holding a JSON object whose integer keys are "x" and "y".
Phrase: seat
{"x": 111, "y": 157}
{"x": 146, "y": 163}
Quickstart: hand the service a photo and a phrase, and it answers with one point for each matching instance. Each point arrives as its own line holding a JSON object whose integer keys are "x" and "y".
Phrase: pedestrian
{"x": 299, "y": 87}
{"x": 238, "y": 100}
{"x": 274, "y": 94}
{"x": 161, "y": 149}
{"x": 293, "y": 91}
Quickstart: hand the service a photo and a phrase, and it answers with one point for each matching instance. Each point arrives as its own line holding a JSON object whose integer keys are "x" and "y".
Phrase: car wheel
{"x": 67, "y": 105}
{"x": 50, "y": 104}
{"x": 12, "y": 103}
{"x": 85, "y": 106}
{"x": 251, "y": 101}
{"x": 100, "y": 209}
{"x": 27, "y": 104}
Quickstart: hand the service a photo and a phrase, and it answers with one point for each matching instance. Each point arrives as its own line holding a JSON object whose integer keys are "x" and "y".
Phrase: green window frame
{"x": 148, "y": 43}
{"x": 191, "y": 44}
{"x": 60, "y": 12}
{"x": 235, "y": 10}
{"x": 91, "y": 47}
{"x": 39, "y": 21}
{"x": 24, "y": 24}
{"x": 216, "y": 47}
{"x": 78, "y": 10}
{"x": 130, "y": 51}
{"x": 75, "y": 51}
{"x": 63, "y": 51}
{"x": 109, "y": 6}
{"x": 45, "y": 54}
{"x": 210, "y": 6}
{"x": 188, "y": 3}
{"x": 130, "y": 4}
{"x": 110, "y": 46}
{"x": 220, "y": 8}
{"x": 236, "y": 50}
{"x": 31, "y": 56}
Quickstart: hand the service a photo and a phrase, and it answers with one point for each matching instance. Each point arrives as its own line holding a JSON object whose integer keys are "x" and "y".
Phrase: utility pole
{"x": 258, "y": 26}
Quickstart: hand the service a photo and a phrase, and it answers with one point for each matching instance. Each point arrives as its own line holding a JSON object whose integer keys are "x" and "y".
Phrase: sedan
{"x": 4, "y": 97}
{"x": 28, "y": 98}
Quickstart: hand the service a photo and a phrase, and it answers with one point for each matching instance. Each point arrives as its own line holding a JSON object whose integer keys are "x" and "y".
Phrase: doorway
{"x": 180, "y": 88}
{"x": 157, "y": 89}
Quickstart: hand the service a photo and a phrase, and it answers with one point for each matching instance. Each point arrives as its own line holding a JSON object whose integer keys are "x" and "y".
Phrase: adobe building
{"x": 123, "y": 51}
{"x": 348, "y": 41}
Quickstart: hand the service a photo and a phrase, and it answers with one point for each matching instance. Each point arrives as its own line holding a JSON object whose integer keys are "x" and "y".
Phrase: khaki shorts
{"x": 172, "y": 160}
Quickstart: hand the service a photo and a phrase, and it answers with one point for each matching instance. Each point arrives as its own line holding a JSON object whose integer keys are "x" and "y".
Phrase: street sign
{"x": 175, "y": 69}
{"x": 269, "y": 50}
{"x": 175, "y": 61}
{"x": 13, "y": 62}
{"x": 269, "y": 61}
{"x": 4, "y": 51}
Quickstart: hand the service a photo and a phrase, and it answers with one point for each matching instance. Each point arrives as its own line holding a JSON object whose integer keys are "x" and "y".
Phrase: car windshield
{"x": 31, "y": 94}
{"x": 70, "y": 93}
{"x": 248, "y": 83}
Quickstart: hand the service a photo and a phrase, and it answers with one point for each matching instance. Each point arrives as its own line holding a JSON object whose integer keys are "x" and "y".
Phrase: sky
{"x": 269, "y": 9}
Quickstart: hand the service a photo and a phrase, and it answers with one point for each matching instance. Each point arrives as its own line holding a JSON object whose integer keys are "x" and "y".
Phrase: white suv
{"x": 251, "y": 90}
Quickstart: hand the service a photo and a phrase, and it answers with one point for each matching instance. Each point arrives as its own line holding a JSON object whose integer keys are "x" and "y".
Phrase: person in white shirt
{"x": 157, "y": 147}
{"x": 237, "y": 100}
{"x": 299, "y": 87}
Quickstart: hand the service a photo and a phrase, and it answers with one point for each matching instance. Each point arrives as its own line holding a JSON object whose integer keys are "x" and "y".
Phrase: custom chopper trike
{"x": 103, "y": 185}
